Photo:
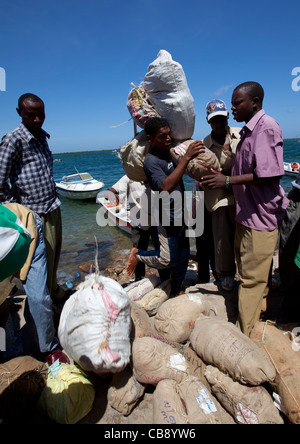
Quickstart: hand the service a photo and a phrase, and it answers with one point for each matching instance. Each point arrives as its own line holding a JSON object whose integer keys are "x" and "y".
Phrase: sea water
{"x": 80, "y": 229}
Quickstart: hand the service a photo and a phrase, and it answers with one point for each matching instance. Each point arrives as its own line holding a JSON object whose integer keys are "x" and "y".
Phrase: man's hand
{"x": 194, "y": 149}
{"x": 213, "y": 181}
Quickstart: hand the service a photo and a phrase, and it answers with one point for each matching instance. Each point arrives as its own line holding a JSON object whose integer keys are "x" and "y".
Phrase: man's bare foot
{"x": 132, "y": 262}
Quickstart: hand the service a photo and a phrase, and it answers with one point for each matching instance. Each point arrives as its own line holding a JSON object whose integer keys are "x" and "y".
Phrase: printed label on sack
{"x": 244, "y": 415}
{"x": 205, "y": 403}
{"x": 177, "y": 362}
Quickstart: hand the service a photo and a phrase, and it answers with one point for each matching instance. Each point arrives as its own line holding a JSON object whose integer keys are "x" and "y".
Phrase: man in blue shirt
{"x": 166, "y": 181}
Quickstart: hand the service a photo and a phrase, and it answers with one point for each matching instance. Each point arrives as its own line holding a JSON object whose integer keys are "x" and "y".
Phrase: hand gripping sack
{"x": 14, "y": 243}
{"x": 139, "y": 106}
{"x": 198, "y": 167}
{"x": 94, "y": 327}
{"x": 166, "y": 86}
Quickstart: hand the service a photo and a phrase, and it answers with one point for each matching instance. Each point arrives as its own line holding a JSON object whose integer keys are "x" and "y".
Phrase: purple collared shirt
{"x": 260, "y": 151}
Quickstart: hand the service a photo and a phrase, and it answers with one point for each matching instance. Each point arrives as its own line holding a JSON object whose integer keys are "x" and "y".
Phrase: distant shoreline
{"x": 115, "y": 149}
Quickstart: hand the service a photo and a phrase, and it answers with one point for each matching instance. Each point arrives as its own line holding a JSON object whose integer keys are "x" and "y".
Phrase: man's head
{"x": 32, "y": 111}
{"x": 158, "y": 133}
{"x": 247, "y": 99}
{"x": 217, "y": 116}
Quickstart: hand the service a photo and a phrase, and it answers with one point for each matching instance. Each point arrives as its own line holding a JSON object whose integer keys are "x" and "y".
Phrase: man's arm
{"x": 171, "y": 182}
{"x": 219, "y": 180}
{"x": 6, "y": 156}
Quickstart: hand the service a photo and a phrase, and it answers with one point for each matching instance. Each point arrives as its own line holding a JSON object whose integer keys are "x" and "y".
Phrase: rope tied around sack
{"x": 276, "y": 368}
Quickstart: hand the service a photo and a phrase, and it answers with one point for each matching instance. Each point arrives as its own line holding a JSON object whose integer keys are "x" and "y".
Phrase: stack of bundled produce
{"x": 164, "y": 93}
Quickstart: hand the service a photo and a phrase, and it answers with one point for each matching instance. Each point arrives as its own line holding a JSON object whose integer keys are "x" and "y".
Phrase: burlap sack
{"x": 142, "y": 324}
{"x": 168, "y": 407}
{"x": 248, "y": 405}
{"x": 198, "y": 167}
{"x": 132, "y": 156}
{"x": 175, "y": 318}
{"x": 137, "y": 290}
{"x": 201, "y": 406}
{"x": 155, "y": 298}
{"x": 222, "y": 344}
{"x": 216, "y": 307}
{"x": 21, "y": 383}
{"x": 155, "y": 359}
{"x": 125, "y": 391}
{"x": 278, "y": 345}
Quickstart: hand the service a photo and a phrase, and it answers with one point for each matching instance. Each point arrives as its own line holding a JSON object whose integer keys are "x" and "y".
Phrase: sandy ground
{"x": 102, "y": 412}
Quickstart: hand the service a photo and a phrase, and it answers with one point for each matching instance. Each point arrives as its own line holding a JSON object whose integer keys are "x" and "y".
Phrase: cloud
{"x": 222, "y": 90}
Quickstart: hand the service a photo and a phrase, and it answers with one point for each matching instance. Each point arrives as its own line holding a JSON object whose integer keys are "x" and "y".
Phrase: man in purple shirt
{"x": 260, "y": 200}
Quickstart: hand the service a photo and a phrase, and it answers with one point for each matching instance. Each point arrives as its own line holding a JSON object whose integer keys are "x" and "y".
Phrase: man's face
{"x": 33, "y": 115}
{"x": 162, "y": 139}
{"x": 219, "y": 125}
{"x": 243, "y": 107}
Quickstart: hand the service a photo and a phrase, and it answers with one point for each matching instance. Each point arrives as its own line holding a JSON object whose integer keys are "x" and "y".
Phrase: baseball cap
{"x": 216, "y": 107}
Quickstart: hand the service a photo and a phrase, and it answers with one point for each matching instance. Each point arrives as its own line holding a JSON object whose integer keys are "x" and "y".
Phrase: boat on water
{"x": 291, "y": 168}
{"x": 80, "y": 186}
{"x": 116, "y": 214}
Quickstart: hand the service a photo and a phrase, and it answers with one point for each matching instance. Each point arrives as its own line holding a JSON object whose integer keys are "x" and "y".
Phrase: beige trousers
{"x": 254, "y": 254}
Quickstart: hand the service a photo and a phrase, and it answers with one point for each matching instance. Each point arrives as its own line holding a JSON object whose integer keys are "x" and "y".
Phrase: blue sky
{"x": 80, "y": 57}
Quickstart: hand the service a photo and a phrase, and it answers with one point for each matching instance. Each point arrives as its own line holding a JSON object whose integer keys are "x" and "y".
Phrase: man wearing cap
{"x": 220, "y": 202}
{"x": 289, "y": 236}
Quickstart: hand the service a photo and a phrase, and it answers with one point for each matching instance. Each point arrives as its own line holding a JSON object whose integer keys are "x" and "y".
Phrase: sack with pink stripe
{"x": 95, "y": 325}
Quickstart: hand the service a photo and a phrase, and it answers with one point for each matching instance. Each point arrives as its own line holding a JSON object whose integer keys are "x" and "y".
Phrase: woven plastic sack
{"x": 248, "y": 405}
{"x": 175, "y": 318}
{"x": 283, "y": 351}
{"x": 223, "y": 345}
{"x": 198, "y": 167}
{"x": 132, "y": 156}
{"x": 14, "y": 243}
{"x": 68, "y": 396}
{"x": 95, "y": 325}
{"x": 167, "y": 89}
{"x": 139, "y": 106}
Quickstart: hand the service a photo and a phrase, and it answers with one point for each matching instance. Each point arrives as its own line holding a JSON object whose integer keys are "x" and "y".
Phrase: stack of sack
{"x": 204, "y": 370}
{"x": 164, "y": 93}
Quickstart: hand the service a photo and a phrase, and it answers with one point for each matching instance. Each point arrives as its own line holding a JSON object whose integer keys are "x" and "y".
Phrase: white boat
{"x": 116, "y": 215}
{"x": 80, "y": 186}
{"x": 291, "y": 168}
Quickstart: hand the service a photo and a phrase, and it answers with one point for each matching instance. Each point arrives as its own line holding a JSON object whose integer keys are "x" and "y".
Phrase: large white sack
{"x": 167, "y": 89}
{"x": 95, "y": 325}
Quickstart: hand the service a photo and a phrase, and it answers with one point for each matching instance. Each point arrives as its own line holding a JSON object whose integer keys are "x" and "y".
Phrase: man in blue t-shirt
{"x": 173, "y": 248}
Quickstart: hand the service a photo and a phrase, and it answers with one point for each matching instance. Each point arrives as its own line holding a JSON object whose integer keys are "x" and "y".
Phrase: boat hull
{"x": 290, "y": 170}
{"x": 118, "y": 219}
{"x": 77, "y": 195}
